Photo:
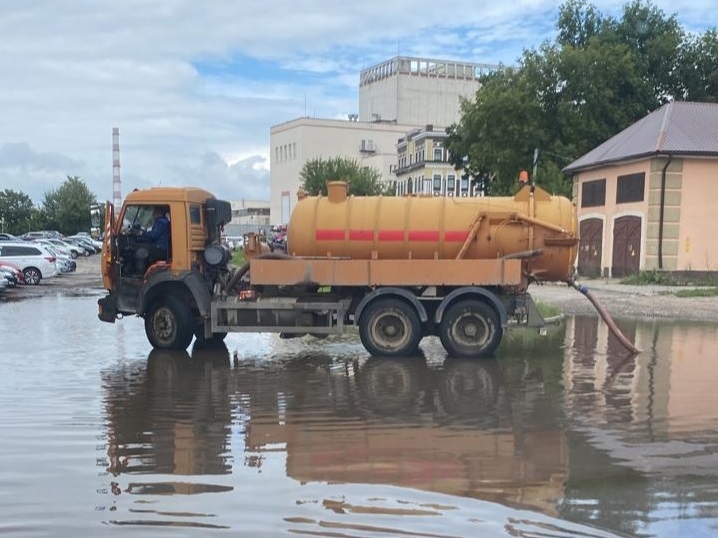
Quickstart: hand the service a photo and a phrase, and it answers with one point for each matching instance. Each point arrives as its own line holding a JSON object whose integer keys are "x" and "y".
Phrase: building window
{"x": 276, "y": 154}
{"x": 437, "y": 184}
{"x": 294, "y": 149}
{"x": 438, "y": 152}
{"x": 630, "y": 188}
{"x": 593, "y": 193}
{"x": 451, "y": 183}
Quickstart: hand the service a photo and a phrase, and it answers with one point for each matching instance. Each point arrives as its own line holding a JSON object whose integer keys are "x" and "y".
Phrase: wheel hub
{"x": 163, "y": 323}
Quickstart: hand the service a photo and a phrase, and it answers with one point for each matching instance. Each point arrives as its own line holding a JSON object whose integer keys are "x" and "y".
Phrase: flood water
{"x": 559, "y": 436}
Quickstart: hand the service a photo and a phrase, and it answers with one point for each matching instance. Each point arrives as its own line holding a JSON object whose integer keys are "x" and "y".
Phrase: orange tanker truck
{"x": 398, "y": 268}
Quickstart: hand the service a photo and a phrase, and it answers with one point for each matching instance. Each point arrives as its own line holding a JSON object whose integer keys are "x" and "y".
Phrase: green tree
{"x": 596, "y": 78}
{"x": 363, "y": 180}
{"x": 67, "y": 208}
{"x": 698, "y": 67}
{"x": 18, "y": 212}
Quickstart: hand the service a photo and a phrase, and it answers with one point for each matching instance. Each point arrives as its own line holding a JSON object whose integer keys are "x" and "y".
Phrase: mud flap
{"x": 107, "y": 309}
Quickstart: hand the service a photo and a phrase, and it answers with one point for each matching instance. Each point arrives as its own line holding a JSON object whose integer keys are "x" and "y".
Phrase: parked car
{"x": 72, "y": 246}
{"x": 87, "y": 244}
{"x": 32, "y": 259}
{"x": 15, "y": 270}
{"x": 42, "y": 234}
{"x": 8, "y": 237}
{"x": 62, "y": 249}
{"x": 235, "y": 242}
{"x": 64, "y": 263}
{"x": 9, "y": 276}
{"x": 3, "y": 285}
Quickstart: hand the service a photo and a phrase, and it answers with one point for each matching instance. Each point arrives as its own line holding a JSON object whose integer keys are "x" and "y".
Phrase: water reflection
{"x": 567, "y": 425}
{"x": 643, "y": 429}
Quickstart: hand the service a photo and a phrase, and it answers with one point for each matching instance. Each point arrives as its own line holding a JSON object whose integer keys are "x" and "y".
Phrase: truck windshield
{"x": 137, "y": 216}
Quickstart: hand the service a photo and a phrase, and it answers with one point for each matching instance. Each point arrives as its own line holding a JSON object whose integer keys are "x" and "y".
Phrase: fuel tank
{"x": 532, "y": 224}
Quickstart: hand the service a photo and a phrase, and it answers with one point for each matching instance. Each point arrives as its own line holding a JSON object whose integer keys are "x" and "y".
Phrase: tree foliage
{"x": 597, "y": 77}
{"x": 363, "y": 180}
{"x": 67, "y": 208}
{"x": 18, "y": 212}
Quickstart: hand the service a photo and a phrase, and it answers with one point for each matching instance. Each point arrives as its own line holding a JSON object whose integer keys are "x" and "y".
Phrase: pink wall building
{"x": 646, "y": 197}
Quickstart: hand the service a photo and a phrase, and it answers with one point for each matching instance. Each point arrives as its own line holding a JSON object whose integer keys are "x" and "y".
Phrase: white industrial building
{"x": 418, "y": 91}
{"x": 395, "y": 97}
{"x": 304, "y": 139}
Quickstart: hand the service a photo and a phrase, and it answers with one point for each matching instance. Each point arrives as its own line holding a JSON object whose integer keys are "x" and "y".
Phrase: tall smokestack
{"x": 116, "y": 183}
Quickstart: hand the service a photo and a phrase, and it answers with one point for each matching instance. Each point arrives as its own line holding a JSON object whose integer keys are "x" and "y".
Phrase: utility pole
{"x": 116, "y": 183}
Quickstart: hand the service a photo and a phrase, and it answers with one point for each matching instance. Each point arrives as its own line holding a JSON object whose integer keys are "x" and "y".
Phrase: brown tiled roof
{"x": 678, "y": 127}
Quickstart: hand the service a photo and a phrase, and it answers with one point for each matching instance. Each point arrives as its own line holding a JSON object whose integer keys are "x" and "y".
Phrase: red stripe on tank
{"x": 361, "y": 235}
{"x": 423, "y": 235}
{"x": 456, "y": 236}
{"x": 329, "y": 235}
{"x": 391, "y": 235}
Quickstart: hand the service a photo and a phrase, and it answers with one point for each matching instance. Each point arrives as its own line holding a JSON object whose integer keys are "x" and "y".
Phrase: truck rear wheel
{"x": 168, "y": 323}
{"x": 390, "y": 328}
{"x": 470, "y": 329}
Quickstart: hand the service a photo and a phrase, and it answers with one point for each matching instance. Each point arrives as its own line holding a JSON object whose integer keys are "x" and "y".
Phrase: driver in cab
{"x": 158, "y": 237}
{"x": 159, "y": 234}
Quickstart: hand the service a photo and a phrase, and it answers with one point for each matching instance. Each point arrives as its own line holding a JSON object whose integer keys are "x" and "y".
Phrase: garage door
{"x": 590, "y": 247}
{"x": 626, "y": 246}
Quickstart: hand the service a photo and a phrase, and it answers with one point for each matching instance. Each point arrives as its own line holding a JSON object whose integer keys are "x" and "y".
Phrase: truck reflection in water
{"x": 170, "y": 416}
{"x": 457, "y": 428}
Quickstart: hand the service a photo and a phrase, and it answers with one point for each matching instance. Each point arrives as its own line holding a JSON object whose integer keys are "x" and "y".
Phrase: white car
{"x": 34, "y": 260}
{"x": 53, "y": 248}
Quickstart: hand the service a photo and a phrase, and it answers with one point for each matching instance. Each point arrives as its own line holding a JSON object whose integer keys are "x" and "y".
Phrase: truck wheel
{"x": 168, "y": 323}
{"x": 470, "y": 329}
{"x": 390, "y": 328}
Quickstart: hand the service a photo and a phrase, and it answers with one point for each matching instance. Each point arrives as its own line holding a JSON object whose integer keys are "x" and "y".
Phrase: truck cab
{"x": 170, "y": 287}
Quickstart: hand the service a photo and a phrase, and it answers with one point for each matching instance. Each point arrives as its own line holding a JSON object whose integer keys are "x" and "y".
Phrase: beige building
{"x": 395, "y": 97}
{"x": 645, "y": 197}
{"x": 250, "y": 212}
{"x": 418, "y": 91}
{"x": 423, "y": 166}
{"x": 295, "y": 142}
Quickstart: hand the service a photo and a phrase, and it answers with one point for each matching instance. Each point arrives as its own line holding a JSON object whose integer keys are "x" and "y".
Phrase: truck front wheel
{"x": 470, "y": 329}
{"x": 390, "y": 328}
{"x": 168, "y": 323}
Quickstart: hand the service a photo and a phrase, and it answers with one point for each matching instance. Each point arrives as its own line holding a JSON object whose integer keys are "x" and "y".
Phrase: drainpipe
{"x": 662, "y": 210}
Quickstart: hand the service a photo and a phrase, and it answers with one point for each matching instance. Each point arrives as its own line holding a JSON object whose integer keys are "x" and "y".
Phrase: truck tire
{"x": 390, "y": 328}
{"x": 470, "y": 329}
{"x": 168, "y": 323}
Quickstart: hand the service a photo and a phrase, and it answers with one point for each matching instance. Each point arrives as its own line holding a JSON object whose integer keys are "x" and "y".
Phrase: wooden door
{"x": 626, "y": 246}
{"x": 590, "y": 247}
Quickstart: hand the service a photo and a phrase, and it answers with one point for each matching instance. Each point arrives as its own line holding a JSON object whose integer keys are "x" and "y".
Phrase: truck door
{"x": 109, "y": 248}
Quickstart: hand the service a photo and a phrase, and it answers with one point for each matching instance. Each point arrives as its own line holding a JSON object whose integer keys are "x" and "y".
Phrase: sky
{"x": 195, "y": 86}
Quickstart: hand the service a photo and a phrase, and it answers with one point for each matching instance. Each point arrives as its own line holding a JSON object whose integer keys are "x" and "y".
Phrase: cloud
{"x": 191, "y": 85}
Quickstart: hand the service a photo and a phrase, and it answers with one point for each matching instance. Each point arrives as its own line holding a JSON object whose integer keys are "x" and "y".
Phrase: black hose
{"x": 605, "y": 316}
{"x": 239, "y": 273}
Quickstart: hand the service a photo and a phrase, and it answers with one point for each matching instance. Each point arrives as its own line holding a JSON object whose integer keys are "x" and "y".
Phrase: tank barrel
{"x": 444, "y": 228}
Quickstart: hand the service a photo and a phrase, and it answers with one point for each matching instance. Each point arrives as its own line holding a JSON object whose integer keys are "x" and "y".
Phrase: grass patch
{"x": 646, "y": 278}
{"x": 699, "y": 292}
{"x": 238, "y": 257}
{"x": 672, "y": 278}
{"x": 547, "y": 310}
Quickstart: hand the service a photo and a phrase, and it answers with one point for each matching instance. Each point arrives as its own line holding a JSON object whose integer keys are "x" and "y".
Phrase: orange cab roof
{"x": 158, "y": 195}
